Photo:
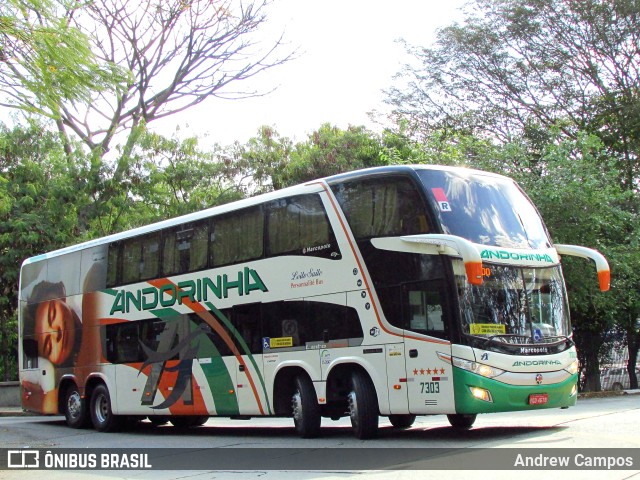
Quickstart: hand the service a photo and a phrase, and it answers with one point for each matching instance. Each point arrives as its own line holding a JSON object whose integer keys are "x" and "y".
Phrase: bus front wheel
{"x": 461, "y": 421}
{"x": 363, "y": 406}
{"x": 102, "y": 417}
{"x": 75, "y": 408}
{"x": 305, "y": 408}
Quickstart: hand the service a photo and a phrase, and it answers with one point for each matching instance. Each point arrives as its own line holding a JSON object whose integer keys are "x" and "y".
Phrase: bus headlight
{"x": 573, "y": 368}
{"x": 477, "y": 368}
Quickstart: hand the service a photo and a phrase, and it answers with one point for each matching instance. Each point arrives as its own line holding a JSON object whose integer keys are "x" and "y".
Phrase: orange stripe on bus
{"x": 214, "y": 323}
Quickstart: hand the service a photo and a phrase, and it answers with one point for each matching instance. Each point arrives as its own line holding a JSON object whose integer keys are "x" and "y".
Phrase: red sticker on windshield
{"x": 441, "y": 198}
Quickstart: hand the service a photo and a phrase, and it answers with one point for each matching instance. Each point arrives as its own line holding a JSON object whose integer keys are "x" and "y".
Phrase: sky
{"x": 348, "y": 54}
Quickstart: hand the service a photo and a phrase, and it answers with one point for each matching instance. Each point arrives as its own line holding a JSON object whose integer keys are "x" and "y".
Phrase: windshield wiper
{"x": 508, "y": 336}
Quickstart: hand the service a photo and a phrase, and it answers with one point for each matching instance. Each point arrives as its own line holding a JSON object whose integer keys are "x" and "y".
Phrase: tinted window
{"x": 299, "y": 226}
{"x": 131, "y": 342}
{"x": 113, "y": 264}
{"x": 485, "y": 209}
{"x": 237, "y": 237}
{"x": 185, "y": 249}
{"x": 382, "y": 207}
{"x": 141, "y": 258}
{"x": 308, "y": 321}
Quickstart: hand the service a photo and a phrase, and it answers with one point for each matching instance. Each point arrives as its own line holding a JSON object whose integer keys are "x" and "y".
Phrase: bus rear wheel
{"x": 402, "y": 421}
{"x": 102, "y": 417}
{"x": 75, "y": 408}
{"x": 305, "y": 408}
{"x": 461, "y": 421}
{"x": 363, "y": 406}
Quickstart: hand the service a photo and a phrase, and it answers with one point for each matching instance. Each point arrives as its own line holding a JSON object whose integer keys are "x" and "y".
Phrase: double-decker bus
{"x": 393, "y": 291}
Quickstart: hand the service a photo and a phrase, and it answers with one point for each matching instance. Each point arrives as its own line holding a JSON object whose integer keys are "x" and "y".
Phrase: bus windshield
{"x": 484, "y": 209}
{"x": 519, "y": 305}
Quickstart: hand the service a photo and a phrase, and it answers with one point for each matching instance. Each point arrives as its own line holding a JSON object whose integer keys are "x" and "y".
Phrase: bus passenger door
{"x": 429, "y": 374}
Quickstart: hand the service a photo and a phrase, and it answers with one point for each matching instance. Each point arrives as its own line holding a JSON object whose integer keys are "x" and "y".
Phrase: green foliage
{"x": 259, "y": 165}
{"x": 175, "y": 177}
{"x": 40, "y": 194}
{"x": 45, "y": 62}
{"x": 516, "y": 63}
{"x": 329, "y": 151}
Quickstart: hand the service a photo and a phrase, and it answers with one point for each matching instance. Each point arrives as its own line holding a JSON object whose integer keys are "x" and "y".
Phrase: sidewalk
{"x": 14, "y": 412}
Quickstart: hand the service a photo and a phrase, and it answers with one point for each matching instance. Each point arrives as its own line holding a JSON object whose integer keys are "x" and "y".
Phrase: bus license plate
{"x": 538, "y": 398}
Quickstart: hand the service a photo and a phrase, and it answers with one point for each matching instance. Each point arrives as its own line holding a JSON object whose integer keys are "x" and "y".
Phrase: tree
{"x": 260, "y": 163}
{"x": 516, "y": 65}
{"x": 175, "y": 177}
{"x": 178, "y": 53}
{"x": 45, "y": 61}
{"x": 331, "y": 150}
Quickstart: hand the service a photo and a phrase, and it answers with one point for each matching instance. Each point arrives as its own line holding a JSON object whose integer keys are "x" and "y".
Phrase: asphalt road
{"x": 595, "y": 426}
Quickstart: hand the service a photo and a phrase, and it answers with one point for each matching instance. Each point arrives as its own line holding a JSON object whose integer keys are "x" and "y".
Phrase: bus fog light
{"x": 481, "y": 394}
{"x": 574, "y": 390}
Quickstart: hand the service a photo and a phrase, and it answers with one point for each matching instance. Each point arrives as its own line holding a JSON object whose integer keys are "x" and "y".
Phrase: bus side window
{"x": 425, "y": 310}
{"x": 140, "y": 258}
{"x": 30, "y": 351}
{"x": 185, "y": 249}
{"x": 237, "y": 237}
{"x": 299, "y": 226}
{"x": 284, "y": 320}
{"x": 113, "y": 264}
{"x": 382, "y": 207}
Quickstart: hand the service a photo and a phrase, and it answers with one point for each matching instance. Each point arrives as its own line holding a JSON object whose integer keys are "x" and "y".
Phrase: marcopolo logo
{"x": 246, "y": 281}
{"x": 507, "y": 255}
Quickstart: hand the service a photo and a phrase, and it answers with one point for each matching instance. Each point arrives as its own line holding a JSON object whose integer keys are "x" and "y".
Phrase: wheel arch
{"x": 284, "y": 387}
{"x": 339, "y": 381}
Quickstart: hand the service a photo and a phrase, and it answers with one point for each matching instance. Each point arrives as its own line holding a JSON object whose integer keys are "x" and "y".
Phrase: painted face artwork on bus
{"x": 55, "y": 329}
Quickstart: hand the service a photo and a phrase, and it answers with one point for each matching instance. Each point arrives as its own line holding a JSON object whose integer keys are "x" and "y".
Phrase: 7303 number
{"x": 429, "y": 387}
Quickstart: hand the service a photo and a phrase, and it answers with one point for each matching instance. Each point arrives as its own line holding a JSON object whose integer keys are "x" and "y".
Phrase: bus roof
{"x": 309, "y": 187}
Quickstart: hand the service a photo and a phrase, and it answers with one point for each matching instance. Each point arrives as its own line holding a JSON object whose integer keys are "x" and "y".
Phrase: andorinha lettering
{"x": 198, "y": 290}
{"x": 505, "y": 255}
{"x": 536, "y": 363}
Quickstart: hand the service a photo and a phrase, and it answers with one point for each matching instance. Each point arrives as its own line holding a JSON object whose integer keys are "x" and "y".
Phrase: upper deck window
{"x": 485, "y": 209}
{"x": 378, "y": 207}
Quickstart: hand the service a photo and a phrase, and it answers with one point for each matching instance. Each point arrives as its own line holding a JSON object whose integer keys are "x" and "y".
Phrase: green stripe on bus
{"x": 245, "y": 348}
{"x": 218, "y": 378}
{"x": 509, "y": 398}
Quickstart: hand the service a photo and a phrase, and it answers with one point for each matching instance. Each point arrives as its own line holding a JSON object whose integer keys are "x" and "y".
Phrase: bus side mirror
{"x": 602, "y": 266}
{"x": 440, "y": 244}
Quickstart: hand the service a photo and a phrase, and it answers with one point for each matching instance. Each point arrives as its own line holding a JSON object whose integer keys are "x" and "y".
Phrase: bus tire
{"x": 188, "y": 421}
{"x": 461, "y": 421}
{"x": 402, "y": 421}
{"x": 363, "y": 406}
{"x": 102, "y": 417}
{"x": 305, "y": 408}
{"x": 76, "y": 412}
{"x": 158, "y": 420}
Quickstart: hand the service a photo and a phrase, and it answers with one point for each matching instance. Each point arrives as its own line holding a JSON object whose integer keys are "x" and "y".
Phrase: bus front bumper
{"x": 477, "y": 394}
